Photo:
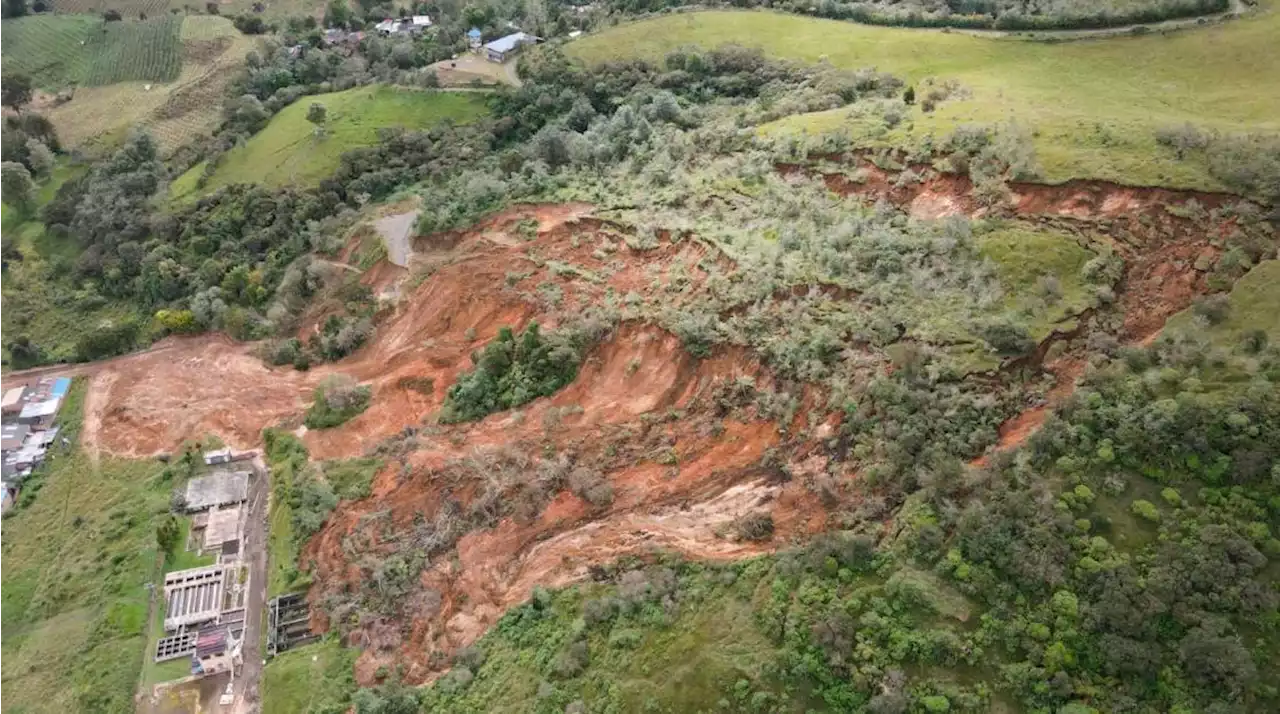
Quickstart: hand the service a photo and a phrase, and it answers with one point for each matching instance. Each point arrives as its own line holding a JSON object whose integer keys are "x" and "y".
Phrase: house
{"x": 474, "y": 38}
{"x": 504, "y": 48}
{"x": 387, "y": 27}
{"x": 418, "y": 23}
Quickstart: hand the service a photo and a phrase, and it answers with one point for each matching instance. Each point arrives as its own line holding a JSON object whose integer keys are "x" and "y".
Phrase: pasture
{"x": 288, "y": 151}
{"x": 63, "y": 50}
{"x": 1093, "y": 105}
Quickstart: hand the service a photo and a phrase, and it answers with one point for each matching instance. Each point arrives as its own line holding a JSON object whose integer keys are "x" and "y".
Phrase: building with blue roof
{"x": 474, "y": 38}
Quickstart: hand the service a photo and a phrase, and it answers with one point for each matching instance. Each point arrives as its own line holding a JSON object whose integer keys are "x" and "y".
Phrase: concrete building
{"x": 193, "y": 596}
{"x": 504, "y": 48}
{"x": 223, "y": 488}
{"x": 220, "y": 456}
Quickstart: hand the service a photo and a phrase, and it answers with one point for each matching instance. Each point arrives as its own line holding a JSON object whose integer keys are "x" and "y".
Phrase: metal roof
{"x": 36, "y": 410}
{"x": 510, "y": 42}
{"x": 473, "y": 32}
{"x": 13, "y": 435}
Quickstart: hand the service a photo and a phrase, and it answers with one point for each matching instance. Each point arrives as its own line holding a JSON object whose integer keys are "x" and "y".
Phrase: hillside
{"x": 1095, "y": 106}
{"x": 728, "y": 361}
{"x": 288, "y": 150}
{"x": 62, "y": 50}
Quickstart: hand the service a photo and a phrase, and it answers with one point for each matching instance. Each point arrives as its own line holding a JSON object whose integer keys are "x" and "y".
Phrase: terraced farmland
{"x": 65, "y": 50}
{"x": 127, "y": 8}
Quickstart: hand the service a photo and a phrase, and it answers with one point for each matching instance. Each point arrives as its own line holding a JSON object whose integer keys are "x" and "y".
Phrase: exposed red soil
{"x": 642, "y": 411}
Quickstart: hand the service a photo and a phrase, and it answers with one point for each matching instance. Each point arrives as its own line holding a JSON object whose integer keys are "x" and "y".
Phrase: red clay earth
{"x": 642, "y": 411}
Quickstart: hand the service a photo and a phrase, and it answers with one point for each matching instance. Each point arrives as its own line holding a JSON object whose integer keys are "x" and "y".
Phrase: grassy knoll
{"x": 1041, "y": 273}
{"x": 1093, "y": 105}
{"x": 77, "y": 559}
{"x": 1252, "y": 306}
{"x": 288, "y": 151}
{"x": 61, "y": 50}
{"x": 317, "y": 677}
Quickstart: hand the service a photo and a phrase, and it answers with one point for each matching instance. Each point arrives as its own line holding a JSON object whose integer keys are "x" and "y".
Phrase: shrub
{"x": 755, "y": 526}
{"x": 337, "y": 400}
{"x": 1213, "y": 308}
{"x": 1007, "y": 338}
{"x": 590, "y": 486}
{"x": 1146, "y": 510}
{"x": 509, "y": 372}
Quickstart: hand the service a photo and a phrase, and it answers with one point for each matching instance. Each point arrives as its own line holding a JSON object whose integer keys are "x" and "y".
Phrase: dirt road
{"x": 248, "y": 684}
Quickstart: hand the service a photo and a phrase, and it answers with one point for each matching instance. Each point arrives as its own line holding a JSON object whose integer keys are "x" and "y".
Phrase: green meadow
{"x": 1093, "y": 106}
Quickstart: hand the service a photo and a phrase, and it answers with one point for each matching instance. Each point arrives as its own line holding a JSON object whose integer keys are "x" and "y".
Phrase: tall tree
{"x": 16, "y": 187}
{"x": 15, "y": 89}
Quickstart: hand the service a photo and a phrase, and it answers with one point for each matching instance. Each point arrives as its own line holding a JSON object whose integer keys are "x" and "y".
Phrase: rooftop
{"x": 13, "y": 397}
{"x": 222, "y": 526}
{"x": 37, "y": 410}
{"x": 217, "y": 489}
{"x": 510, "y": 42}
{"x": 13, "y": 435}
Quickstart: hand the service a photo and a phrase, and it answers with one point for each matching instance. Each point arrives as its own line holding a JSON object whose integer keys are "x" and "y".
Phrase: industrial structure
{"x": 204, "y": 608}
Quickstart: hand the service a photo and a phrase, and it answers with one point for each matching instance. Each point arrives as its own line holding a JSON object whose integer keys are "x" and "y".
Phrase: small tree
{"x": 317, "y": 114}
{"x": 167, "y": 532}
{"x": 16, "y": 187}
{"x": 112, "y": 16}
{"x": 909, "y": 96}
{"x": 15, "y": 91}
{"x": 39, "y": 157}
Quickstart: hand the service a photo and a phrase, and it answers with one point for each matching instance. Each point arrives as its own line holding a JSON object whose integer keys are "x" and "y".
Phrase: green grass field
{"x": 77, "y": 560}
{"x": 1025, "y": 259}
{"x": 1093, "y": 105}
{"x": 287, "y": 151}
{"x": 1253, "y": 301}
{"x": 63, "y": 50}
{"x": 309, "y": 678}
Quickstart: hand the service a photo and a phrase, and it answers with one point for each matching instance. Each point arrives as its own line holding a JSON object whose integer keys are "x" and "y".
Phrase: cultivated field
{"x": 288, "y": 151}
{"x": 1094, "y": 106}
{"x": 211, "y": 50}
{"x": 63, "y": 50}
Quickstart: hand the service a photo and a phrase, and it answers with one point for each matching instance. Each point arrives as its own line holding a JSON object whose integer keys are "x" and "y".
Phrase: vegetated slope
{"x": 1125, "y": 555}
{"x": 288, "y": 150}
{"x": 683, "y": 446}
{"x": 201, "y": 61}
{"x": 62, "y": 50}
{"x": 1094, "y": 106}
{"x": 76, "y": 561}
